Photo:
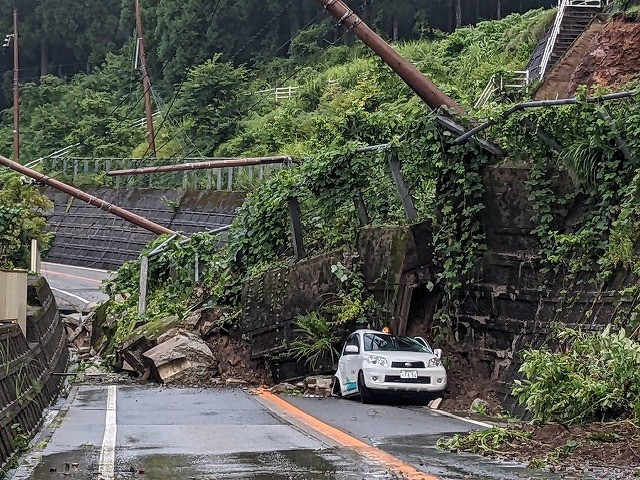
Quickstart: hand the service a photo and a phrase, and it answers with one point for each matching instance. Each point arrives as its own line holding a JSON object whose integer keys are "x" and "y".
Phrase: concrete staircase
{"x": 572, "y": 19}
{"x": 575, "y": 22}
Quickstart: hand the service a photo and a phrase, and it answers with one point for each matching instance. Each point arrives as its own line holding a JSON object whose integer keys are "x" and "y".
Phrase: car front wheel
{"x": 366, "y": 396}
{"x": 336, "y": 389}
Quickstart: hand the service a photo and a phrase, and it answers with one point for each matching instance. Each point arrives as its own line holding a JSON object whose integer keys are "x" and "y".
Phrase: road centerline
{"x": 108, "y": 451}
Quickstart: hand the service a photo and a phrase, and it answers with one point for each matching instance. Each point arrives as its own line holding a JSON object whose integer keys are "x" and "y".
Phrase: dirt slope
{"x": 607, "y": 55}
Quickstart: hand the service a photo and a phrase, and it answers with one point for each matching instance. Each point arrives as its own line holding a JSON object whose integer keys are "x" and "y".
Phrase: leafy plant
{"x": 592, "y": 377}
{"x": 315, "y": 340}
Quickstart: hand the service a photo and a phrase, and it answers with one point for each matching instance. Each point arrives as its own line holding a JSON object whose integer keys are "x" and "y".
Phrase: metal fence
{"x": 81, "y": 170}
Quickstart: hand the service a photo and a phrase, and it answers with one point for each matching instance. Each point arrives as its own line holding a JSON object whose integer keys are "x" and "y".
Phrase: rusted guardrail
{"x": 27, "y": 381}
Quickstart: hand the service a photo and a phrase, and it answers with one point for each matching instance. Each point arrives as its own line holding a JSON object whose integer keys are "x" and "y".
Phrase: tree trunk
{"x": 499, "y": 9}
{"x": 458, "y": 13}
{"x": 396, "y": 29}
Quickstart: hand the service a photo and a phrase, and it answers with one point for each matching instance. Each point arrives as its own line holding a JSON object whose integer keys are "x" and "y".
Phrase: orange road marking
{"x": 344, "y": 439}
{"x": 76, "y": 277}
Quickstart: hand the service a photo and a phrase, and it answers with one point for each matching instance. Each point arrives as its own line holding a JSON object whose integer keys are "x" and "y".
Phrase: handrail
{"x": 557, "y": 27}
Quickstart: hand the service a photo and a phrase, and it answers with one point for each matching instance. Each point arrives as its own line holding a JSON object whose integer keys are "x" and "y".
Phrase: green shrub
{"x": 316, "y": 340}
{"x": 595, "y": 377}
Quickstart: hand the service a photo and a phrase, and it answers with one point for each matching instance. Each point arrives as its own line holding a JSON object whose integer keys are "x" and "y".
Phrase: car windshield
{"x": 391, "y": 343}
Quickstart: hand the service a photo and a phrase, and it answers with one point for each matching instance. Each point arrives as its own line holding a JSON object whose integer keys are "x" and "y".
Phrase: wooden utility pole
{"x": 146, "y": 82}
{"x": 85, "y": 197}
{"x": 16, "y": 90}
{"x": 414, "y": 78}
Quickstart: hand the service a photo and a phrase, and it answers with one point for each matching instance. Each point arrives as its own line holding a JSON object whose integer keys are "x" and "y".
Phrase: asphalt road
{"x": 75, "y": 287}
{"x": 127, "y": 432}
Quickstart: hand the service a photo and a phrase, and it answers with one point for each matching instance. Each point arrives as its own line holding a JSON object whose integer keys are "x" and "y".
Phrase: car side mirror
{"x": 438, "y": 353}
{"x": 351, "y": 350}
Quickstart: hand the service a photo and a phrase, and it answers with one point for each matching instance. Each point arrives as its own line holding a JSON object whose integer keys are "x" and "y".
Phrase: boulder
{"x": 183, "y": 357}
{"x": 479, "y": 405}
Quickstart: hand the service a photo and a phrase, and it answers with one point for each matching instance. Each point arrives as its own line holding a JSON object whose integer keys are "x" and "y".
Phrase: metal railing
{"x": 516, "y": 80}
{"x": 232, "y": 179}
{"x": 557, "y": 27}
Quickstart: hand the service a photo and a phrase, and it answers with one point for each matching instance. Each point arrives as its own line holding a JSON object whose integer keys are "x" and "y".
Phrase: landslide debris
{"x": 613, "y": 60}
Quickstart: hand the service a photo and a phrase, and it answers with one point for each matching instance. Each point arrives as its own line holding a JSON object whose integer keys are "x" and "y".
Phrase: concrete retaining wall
{"x": 89, "y": 237}
{"x": 27, "y": 381}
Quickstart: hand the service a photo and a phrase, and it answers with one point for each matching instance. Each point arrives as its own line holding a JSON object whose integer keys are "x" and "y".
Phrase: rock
{"x": 435, "y": 404}
{"x": 284, "y": 388}
{"x": 235, "y": 382}
{"x": 479, "y": 405}
{"x": 300, "y": 386}
{"x": 318, "y": 386}
{"x": 184, "y": 356}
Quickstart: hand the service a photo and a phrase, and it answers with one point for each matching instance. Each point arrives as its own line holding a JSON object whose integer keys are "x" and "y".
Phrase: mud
{"x": 595, "y": 451}
{"x": 613, "y": 59}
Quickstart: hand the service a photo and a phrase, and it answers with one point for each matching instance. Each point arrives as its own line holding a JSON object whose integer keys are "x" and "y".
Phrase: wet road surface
{"x": 127, "y": 432}
{"x": 159, "y": 434}
{"x": 411, "y": 433}
{"x": 75, "y": 287}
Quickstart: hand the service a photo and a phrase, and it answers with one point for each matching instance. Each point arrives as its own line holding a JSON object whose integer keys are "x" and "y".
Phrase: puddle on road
{"x": 283, "y": 465}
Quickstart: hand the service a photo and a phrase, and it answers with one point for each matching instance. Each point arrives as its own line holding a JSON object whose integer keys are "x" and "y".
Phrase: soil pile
{"x": 613, "y": 59}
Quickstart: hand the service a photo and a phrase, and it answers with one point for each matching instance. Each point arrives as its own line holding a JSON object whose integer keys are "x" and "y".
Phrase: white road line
{"x": 72, "y": 295}
{"x": 468, "y": 420}
{"x": 107, "y": 469}
{"x": 72, "y": 267}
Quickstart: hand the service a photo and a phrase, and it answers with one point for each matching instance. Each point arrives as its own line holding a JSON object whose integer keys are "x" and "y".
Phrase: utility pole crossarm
{"x": 415, "y": 79}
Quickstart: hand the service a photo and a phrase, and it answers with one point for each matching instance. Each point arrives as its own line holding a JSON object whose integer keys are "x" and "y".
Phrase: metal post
{"x": 219, "y": 181}
{"x": 209, "y": 179}
{"x": 146, "y": 82}
{"x": 197, "y": 268}
{"x": 86, "y": 167}
{"x": 296, "y": 228}
{"x": 230, "y": 180}
{"x": 16, "y": 90}
{"x": 403, "y": 190}
{"x": 361, "y": 208}
{"x": 75, "y": 170}
{"x": 144, "y": 275}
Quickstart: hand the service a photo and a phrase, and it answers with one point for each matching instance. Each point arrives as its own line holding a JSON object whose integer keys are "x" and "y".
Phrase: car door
{"x": 349, "y": 376}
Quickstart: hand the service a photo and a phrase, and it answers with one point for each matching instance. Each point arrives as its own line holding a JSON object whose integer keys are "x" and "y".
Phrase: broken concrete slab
{"x": 184, "y": 356}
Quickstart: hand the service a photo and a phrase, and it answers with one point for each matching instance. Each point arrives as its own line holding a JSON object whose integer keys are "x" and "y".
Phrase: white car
{"x": 373, "y": 361}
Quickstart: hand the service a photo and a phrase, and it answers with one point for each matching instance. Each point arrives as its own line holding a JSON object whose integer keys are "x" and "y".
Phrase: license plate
{"x": 408, "y": 374}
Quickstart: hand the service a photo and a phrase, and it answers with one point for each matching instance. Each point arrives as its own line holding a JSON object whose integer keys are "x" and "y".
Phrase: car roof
{"x": 365, "y": 330}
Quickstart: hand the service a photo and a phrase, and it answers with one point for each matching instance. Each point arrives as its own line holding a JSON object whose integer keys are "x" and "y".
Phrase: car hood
{"x": 404, "y": 356}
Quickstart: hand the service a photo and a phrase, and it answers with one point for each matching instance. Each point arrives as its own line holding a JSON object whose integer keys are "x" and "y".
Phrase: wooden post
{"x": 403, "y": 190}
{"x": 361, "y": 208}
{"x": 13, "y": 298}
{"x": 296, "y": 228}
{"x": 144, "y": 275}
{"x": 35, "y": 257}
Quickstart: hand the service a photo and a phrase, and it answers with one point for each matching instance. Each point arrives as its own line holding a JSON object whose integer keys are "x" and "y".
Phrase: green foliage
{"x": 592, "y": 377}
{"x": 21, "y": 220}
{"x": 315, "y": 342}
{"x": 485, "y": 442}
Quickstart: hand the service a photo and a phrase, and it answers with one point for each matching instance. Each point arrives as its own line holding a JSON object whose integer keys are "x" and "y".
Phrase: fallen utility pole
{"x": 146, "y": 82}
{"x": 85, "y": 197}
{"x": 211, "y": 165}
{"x": 16, "y": 89}
{"x": 417, "y": 81}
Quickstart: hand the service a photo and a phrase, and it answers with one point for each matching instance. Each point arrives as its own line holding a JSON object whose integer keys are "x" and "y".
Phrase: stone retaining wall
{"x": 28, "y": 383}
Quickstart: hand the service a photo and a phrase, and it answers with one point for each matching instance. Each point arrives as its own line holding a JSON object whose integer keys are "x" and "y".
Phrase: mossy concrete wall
{"x": 392, "y": 258}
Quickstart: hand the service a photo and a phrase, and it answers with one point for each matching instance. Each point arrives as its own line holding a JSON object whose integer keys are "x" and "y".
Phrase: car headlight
{"x": 434, "y": 362}
{"x": 376, "y": 360}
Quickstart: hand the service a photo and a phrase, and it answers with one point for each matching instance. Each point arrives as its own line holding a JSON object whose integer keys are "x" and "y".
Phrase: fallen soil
{"x": 598, "y": 450}
{"x": 467, "y": 381}
{"x": 613, "y": 59}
